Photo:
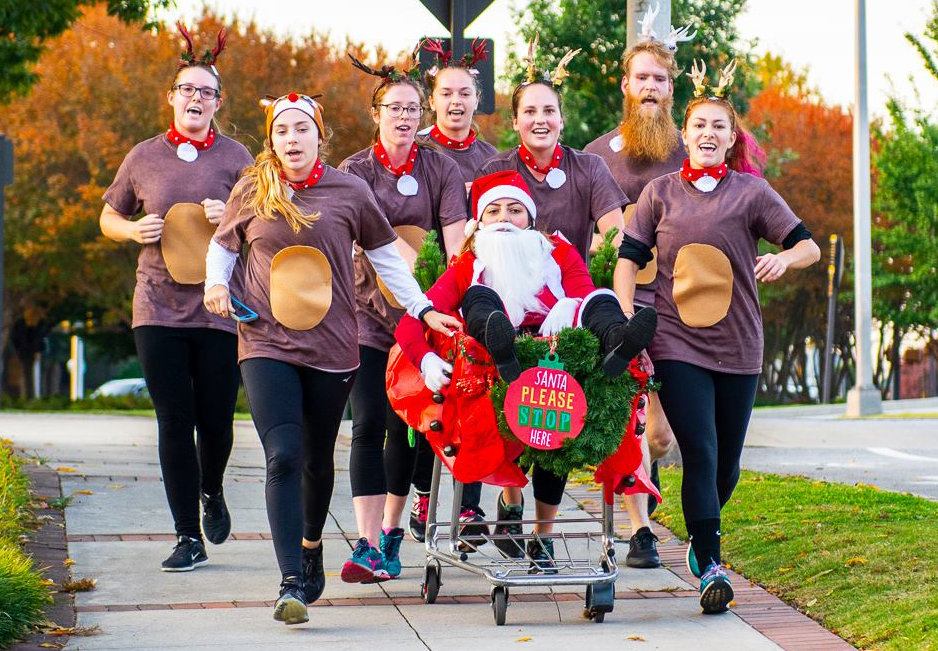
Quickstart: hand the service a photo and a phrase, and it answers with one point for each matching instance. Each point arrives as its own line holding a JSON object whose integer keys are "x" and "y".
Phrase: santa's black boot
{"x": 487, "y": 322}
{"x": 621, "y": 339}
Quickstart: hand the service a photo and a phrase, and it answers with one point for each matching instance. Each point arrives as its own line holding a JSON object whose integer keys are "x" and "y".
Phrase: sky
{"x": 812, "y": 34}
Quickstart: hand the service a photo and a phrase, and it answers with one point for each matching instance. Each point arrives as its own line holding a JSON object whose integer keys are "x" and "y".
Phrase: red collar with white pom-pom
{"x": 692, "y": 174}
{"x": 314, "y": 176}
{"x": 177, "y": 138}
{"x": 528, "y": 159}
{"x": 406, "y": 168}
{"x": 451, "y": 143}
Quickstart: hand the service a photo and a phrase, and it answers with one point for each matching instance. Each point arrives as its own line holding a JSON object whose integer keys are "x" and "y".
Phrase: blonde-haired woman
{"x": 298, "y": 357}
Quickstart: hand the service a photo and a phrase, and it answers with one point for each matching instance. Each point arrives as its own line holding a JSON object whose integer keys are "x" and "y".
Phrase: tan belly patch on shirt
{"x": 703, "y": 285}
{"x": 184, "y": 242}
{"x": 413, "y": 236}
{"x": 300, "y": 287}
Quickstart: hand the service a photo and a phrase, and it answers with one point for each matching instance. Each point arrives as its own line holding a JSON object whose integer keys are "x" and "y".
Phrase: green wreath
{"x": 609, "y": 402}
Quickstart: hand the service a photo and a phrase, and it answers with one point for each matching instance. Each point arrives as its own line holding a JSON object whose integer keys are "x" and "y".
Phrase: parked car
{"x": 134, "y": 386}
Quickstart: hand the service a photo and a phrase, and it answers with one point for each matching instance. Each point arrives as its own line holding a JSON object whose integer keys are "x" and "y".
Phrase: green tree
{"x": 592, "y": 99}
{"x": 905, "y": 219}
{"x": 26, "y": 26}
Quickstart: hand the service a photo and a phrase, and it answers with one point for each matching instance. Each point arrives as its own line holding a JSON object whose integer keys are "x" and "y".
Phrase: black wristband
{"x": 424, "y": 311}
{"x": 798, "y": 233}
{"x": 636, "y": 251}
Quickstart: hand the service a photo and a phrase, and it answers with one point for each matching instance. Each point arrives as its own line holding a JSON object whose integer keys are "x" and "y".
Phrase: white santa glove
{"x": 560, "y": 316}
{"x": 434, "y": 371}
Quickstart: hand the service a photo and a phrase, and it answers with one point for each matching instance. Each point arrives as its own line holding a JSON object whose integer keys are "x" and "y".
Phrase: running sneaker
{"x": 541, "y": 553}
{"x": 314, "y": 576}
{"x": 187, "y": 555}
{"x": 366, "y": 565}
{"x": 418, "y": 515}
{"x": 216, "y": 521}
{"x": 291, "y": 606}
{"x": 716, "y": 592}
{"x": 471, "y": 533}
{"x": 643, "y": 552}
{"x": 391, "y": 550}
{"x": 511, "y": 513}
{"x": 691, "y": 560}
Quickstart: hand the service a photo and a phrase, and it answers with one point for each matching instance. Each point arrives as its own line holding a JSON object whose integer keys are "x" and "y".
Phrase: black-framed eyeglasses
{"x": 396, "y": 110}
{"x": 205, "y": 92}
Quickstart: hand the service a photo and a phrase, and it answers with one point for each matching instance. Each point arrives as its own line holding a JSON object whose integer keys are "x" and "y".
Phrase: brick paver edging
{"x": 48, "y": 548}
{"x": 772, "y": 617}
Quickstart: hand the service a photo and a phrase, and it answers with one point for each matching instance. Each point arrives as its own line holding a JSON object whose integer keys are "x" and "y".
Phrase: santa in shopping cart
{"x": 510, "y": 279}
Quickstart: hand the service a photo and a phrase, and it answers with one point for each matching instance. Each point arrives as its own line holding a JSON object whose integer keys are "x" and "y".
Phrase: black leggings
{"x": 192, "y": 377}
{"x": 297, "y": 411}
{"x": 382, "y": 460}
{"x": 709, "y": 413}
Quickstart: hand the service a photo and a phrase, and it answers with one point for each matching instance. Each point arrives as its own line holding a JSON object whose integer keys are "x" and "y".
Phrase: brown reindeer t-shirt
{"x": 152, "y": 179}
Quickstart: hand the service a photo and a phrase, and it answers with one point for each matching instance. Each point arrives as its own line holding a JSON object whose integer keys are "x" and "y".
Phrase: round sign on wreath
{"x": 545, "y": 405}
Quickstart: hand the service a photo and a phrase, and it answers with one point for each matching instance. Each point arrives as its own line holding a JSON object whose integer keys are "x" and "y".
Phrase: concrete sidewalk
{"x": 119, "y": 530}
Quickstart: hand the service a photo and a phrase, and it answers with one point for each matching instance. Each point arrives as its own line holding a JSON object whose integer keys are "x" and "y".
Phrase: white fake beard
{"x": 514, "y": 267}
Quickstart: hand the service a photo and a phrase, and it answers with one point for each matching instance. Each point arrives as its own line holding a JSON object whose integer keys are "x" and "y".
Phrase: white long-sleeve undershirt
{"x": 389, "y": 264}
{"x": 219, "y": 265}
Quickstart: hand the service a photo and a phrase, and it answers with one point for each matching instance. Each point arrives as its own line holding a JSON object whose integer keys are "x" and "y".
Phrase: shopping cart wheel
{"x": 431, "y": 583}
{"x": 600, "y": 599}
{"x": 499, "y": 604}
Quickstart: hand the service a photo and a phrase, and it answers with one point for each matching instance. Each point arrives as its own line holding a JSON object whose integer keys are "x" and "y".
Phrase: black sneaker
{"x": 541, "y": 553}
{"x": 314, "y": 576}
{"x": 418, "y": 515}
{"x": 291, "y": 606}
{"x": 508, "y": 546}
{"x": 628, "y": 340}
{"x": 643, "y": 552}
{"x": 652, "y": 500}
{"x": 187, "y": 554}
{"x": 470, "y": 530}
{"x": 500, "y": 342}
{"x": 216, "y": 521}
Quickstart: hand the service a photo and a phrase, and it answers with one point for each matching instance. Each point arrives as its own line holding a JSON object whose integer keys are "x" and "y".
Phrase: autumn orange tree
{"x": 102, "y": 88}
{"x": 810, "y": 150}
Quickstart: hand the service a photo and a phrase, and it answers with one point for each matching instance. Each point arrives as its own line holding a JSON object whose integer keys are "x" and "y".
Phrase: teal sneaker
{"x": 391, "y": 550}
{"x": 366, "y": 565}
{"x": 716, "y": 591}
{"x": 691, "y": 560}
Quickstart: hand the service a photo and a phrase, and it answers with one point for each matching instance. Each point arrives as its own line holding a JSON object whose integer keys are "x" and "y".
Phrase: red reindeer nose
{"x": 293, "y": 97}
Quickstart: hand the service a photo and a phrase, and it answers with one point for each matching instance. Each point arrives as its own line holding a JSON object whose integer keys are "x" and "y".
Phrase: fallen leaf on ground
{"x": 523, "y": 639}
{"x": 79, "y": 585}
{"x": 732, "y": 603}
{"x": 83, "y": 492}
{"x": 68, "y": 561}
{"x": 818, "y": 575}
{"x": 856, "y": 560}
{"x": 636, "y": 638}
{"x": 785, "y": 569}
{"x": 72, "y": 631}
{"x": 51, "y": 645}
{"x": 810, "y": 603}
{"x": 65, "y": 469}
{"x": 115, "y": 485}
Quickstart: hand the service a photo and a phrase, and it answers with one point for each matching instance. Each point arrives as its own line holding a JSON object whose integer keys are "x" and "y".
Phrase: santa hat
{"x": 274, "y": 106}
{"x": 492, "y": 187}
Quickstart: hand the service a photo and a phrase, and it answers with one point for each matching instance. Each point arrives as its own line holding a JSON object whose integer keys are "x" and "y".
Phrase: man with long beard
{"x": 511, "y": 278}
{"x": 644, "y": 146}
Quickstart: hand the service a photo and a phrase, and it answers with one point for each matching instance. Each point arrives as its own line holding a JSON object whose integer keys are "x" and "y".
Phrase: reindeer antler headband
{"x": 536, "y": 75}
{"x": 443, "y": 57}
{"x": 670, "y": 41}
{"x": 699, "y": 76}
{"x": 390, "y": 74}
{"x": 188, "y": 58}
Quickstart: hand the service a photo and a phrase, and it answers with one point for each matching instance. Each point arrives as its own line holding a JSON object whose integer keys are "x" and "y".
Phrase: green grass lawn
{"x": 861, "y": 561}
{"x": 22, "y": 594}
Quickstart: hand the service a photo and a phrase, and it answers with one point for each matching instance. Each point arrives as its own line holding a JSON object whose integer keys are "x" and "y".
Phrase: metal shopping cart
{"x": 583, "y": 557}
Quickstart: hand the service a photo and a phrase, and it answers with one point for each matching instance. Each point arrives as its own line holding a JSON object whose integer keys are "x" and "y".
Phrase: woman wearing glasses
{"x": 417, "y": 188}
{"x": 188, "y": 356}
